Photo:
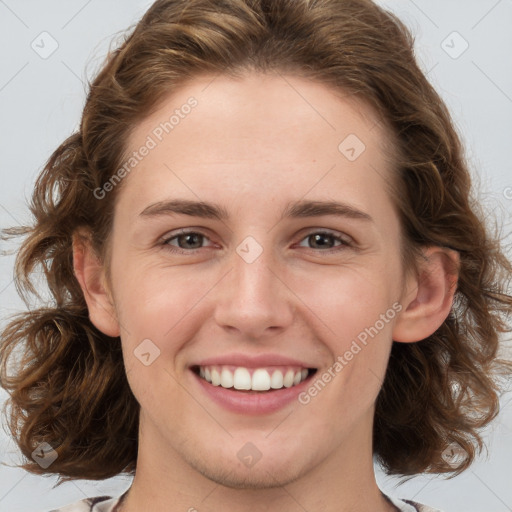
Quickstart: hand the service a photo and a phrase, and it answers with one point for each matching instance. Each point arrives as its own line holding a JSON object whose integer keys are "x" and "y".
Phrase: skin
{"x": 251, "y": 145}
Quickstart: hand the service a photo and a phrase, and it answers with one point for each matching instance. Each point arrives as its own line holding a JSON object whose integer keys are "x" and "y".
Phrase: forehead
{"x": 257, "y": 133}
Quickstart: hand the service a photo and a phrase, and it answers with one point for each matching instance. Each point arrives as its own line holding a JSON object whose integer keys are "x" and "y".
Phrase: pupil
{"x": 316, "y": 238}
{"x": 188, "y": 237}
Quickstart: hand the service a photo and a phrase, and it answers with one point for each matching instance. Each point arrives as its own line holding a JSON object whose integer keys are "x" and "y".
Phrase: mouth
{"x": 253, "y": 380}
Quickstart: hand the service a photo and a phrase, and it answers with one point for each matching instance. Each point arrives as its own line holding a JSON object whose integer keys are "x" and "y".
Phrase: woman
{"x": 341, "y": 299}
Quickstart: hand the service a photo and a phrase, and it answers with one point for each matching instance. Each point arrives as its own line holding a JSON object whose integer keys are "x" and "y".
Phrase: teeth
{"x": 276, "y": 382}
{"x": 226, "y": 378}
{"x": 242, "y": 379}
{"x": 215, "y": 377}
{"x": 288, "y": 379}
{"x": 259, "y": 379}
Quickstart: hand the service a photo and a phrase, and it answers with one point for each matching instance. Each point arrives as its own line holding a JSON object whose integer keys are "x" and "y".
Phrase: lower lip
{"x": 260, "y": 402}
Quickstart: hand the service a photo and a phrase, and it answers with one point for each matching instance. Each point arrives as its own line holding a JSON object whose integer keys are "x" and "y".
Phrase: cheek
{"x": 356, "y": 311}
{"x": 161, "y": 309}
{"x": 349, "y": 300}
{"x": 156, "y": 303}
{"x": 157, "y": 312}
{"x": 358, "y": 319}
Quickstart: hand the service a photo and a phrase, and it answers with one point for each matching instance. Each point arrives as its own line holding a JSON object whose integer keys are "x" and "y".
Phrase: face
{"x": 271, "y": 285}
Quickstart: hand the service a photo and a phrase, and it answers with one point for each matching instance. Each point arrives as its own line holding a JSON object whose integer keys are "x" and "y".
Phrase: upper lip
{"x": 255, "y": 361}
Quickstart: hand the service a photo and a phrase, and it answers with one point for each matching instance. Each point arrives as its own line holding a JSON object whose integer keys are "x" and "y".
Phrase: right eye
{"x": 184, "y": 241}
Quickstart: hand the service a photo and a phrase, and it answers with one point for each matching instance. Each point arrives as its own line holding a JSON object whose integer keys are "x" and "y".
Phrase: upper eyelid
{"x": 340, "y": 236}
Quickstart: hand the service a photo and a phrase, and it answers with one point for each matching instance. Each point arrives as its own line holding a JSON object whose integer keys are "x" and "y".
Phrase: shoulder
{"x": 411, "y": 506}
{"x": 108, "y": 504}
{"x": 420, "y": 507}
{"x": 97, "y": 504}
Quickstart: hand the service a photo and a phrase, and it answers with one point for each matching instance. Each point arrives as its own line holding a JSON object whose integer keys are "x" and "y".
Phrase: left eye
{"x": 318, "y": 240}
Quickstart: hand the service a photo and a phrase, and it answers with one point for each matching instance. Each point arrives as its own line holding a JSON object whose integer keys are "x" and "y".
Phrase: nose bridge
{"x": 253, "y": 299}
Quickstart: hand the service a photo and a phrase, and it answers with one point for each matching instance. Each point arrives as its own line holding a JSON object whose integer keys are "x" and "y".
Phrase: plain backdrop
{"x": 48, "y": 49}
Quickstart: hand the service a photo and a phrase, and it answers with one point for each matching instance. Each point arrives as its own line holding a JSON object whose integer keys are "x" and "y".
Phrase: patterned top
{"x": 109, "y": 504}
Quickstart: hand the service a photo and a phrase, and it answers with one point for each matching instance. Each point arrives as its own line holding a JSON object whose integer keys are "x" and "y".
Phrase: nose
{"x": 254, "y": 300}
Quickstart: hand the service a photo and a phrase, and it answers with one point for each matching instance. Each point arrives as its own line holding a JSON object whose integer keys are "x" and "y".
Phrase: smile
{"x": 253, "y": 379}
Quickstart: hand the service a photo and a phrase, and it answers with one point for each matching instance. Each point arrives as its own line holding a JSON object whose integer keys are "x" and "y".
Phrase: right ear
{"x": 90, "y": 273}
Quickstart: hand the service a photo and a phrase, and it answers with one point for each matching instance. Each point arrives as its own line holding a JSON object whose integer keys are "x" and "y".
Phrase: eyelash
{"x": 344, "y": 244}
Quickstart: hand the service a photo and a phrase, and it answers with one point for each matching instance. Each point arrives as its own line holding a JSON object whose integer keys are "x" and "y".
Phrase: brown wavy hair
{"x": 68, "y": 385}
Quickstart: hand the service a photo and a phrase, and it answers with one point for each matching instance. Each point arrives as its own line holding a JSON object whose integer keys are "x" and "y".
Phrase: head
{"x": 255, "y": 107}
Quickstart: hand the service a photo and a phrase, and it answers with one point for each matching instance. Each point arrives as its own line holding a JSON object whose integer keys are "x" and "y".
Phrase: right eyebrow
{"x": 186, "y": 207}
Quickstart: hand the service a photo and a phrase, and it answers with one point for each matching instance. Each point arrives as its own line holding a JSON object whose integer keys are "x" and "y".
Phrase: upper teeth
{"x": 256, "y": 379}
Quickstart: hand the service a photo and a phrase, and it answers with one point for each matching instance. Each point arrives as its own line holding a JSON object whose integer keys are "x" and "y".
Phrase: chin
{"x": 268, "y": 476}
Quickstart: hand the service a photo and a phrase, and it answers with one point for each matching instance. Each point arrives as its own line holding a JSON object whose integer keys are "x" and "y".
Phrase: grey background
{"x": 40, "y": 105}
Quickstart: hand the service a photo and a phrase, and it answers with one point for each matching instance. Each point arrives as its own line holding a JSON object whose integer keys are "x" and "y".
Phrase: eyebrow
{"x": 296, "y": 209}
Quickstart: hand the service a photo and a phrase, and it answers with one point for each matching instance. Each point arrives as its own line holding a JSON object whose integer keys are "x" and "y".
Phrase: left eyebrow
{"x": 299, "y": 209}
{"x": 296, "y": 209}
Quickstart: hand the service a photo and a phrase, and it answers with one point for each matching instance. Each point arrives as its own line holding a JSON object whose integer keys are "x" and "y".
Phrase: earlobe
{"x": 428, "y": 298}
{"x": 90, "y": 274}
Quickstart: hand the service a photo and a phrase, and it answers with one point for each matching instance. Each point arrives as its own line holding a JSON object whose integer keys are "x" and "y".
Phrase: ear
{"x": 90, "y": 273}
{"x": 428, "y": 296}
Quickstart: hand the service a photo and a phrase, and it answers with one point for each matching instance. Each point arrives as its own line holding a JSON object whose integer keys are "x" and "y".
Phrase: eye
{"x": 325, "y": 241}
{"x": 191, "y": 241}
{"x": 185, "y": 241}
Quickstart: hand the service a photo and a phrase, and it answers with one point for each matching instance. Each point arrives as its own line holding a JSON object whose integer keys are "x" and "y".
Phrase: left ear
{"x": 428, "y": 298}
